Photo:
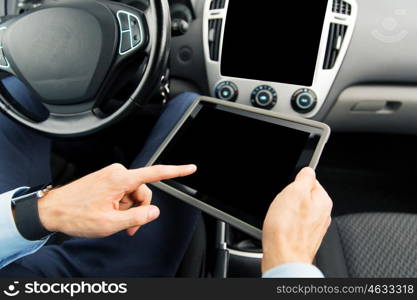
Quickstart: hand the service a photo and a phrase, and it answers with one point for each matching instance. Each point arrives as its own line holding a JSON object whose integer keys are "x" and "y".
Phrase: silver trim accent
{"x": 129, "y": 16}
{"x": 221, "y": 235}
{"x": 221, "y": 240}
{"x": 323, "y": 79}
{"x": 245, "y": 254}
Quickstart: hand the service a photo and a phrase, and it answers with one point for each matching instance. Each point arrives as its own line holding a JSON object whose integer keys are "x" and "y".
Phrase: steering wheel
{"x": 73, "y": 55}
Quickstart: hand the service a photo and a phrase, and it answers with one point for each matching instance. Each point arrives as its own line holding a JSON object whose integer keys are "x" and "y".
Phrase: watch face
{"x": 39, "y": 188}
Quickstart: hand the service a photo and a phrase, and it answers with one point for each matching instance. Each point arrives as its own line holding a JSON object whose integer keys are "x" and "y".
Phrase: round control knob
{"x": 304, "y": 101}
{"x": 227, "y": 90}
{"x": 264, "y": 96}
{"x": 181, "y": 17}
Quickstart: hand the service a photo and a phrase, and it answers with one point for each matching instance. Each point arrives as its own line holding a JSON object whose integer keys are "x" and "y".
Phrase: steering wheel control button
{"x": 124, "y": 21}
{"x": 136, "y": 33}
{"x": 131, "y": 32}
{"x": 227, "y": 90}
{"x": 304, "y": 101}
{"x": 264, "y": 96}
{"x": 3, "y": 61}
{"x": 125, "y": 42}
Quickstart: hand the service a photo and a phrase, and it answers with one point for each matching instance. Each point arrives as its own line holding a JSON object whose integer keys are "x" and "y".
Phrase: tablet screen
{"x": 243, "y": 162}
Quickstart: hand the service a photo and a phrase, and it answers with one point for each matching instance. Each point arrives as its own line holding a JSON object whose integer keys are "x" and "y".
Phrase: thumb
{"x": 138, "y": 216}
{"x": 307, "y": 176}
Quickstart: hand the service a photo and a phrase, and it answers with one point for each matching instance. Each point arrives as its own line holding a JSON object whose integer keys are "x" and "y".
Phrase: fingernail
{"x": 311, "y": 170}
{"x": 153, "y": 213}
{"x": 192, "y": 168}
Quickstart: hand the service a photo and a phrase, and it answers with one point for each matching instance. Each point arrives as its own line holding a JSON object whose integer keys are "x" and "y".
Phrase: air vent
{"x": 342, "y": 7}
{"x": 215, "y": 30}
{"x": 217, "y": 4}
{"x": 337, "y": 34}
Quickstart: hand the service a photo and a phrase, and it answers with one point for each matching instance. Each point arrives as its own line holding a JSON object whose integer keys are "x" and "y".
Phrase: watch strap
{"x": 27, "y": 218}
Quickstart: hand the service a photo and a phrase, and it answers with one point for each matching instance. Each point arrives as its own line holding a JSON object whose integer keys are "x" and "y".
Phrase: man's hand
{"x": 106, "y": 202}
{"x": 296, "y": 222}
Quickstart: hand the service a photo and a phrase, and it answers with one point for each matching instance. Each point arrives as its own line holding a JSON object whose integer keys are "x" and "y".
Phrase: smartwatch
{"x": 26, "y": 210}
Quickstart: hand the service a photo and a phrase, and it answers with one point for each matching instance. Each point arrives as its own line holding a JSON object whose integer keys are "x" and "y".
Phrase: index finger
{"x": 158, "y": 173}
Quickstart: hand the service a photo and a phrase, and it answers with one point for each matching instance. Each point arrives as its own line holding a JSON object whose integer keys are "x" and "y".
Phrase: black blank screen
{"x": 243, "y": 163}
{"x": 274, "y": 41}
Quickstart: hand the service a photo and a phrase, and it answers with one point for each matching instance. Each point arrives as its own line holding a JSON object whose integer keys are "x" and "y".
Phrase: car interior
{"x": 351, "y": 64}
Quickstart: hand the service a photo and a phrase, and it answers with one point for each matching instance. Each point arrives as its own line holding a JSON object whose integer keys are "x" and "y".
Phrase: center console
{"x": 283, "y": 56}
{"x": 278, "y": 55}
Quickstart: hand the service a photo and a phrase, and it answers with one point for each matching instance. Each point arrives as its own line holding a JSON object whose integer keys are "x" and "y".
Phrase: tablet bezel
{"x": 305, "y": 125}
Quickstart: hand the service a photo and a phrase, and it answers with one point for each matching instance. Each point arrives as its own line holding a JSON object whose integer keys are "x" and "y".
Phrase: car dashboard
{"x": 351, "y": 63}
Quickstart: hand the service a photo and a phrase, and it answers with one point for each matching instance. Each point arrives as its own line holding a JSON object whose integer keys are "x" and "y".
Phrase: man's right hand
{"x": 296, "y": 222}
{"x": 106, "y": 202}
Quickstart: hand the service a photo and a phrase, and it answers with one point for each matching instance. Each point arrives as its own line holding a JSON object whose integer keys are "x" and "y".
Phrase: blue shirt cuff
{"x": 294, "y": 271}
{"x": 13, "y": 245}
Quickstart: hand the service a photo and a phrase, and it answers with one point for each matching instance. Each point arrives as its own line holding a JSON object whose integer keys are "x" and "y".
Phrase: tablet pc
{"x": 245, "y": 157}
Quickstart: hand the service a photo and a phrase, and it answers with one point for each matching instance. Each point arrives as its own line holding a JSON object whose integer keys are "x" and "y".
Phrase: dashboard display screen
{"x": 275, "y": 41}
{"x": 243, "y": 162}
